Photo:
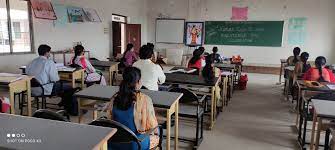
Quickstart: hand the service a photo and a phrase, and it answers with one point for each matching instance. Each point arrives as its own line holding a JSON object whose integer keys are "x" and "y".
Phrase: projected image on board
{"x": 194, "y": 33}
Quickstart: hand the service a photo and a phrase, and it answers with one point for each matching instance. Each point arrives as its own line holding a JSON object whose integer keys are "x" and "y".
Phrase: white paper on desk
{"x": 226, "y": 73}
{"x": 182, "y": 70}
{"x": 331, "y": 86}
{"x": 59, "y": 65}
{"x": 64, "y": 68}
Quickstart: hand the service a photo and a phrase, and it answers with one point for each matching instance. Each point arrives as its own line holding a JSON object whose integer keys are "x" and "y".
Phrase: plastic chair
{"x": 192, "y": 106}
{"x": 124, "y": 135}
{"x": 47, "y": 114}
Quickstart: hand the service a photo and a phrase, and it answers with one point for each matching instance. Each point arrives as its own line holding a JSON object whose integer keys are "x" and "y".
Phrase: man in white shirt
{"x": 44, "y": 70}
{"x": 152, "y": 74}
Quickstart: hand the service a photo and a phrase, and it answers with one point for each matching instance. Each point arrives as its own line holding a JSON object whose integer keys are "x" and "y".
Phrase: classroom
{"x": 167, "y": 74}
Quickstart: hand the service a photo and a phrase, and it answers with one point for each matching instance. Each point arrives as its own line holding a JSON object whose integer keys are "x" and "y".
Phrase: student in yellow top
{"x": 292, "y": 60}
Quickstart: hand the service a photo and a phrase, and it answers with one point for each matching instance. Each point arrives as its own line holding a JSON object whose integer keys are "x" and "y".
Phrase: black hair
{"x": 78, "y": 50}
{"x": 319, "y": 62}
{"x": 146, "y": 52}
{"x": 151, "y": 45}
{"x": 127, "y": 89}
{"x": 208, "y": 70}
{"x": 296, "y": 53}
{"x": 196, "y": 56}
{"x": 43, "y": 49}
{"x": 215, "y": 50}
{"x": 201, "y": 48}
{"x": 304, "y": 57}
{"x": 129, "y": 47}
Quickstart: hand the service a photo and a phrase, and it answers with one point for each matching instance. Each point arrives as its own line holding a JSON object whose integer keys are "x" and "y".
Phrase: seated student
{"x": 80, "y": 60}
{"x": 133, "y": 109}
{"x": 152, "y": 74}
{"x": 320, "y": 73}
{"x": 302, "y": 66}
{"x": 209, "y": 72}
{"x": 196, "y": 60}
{"x": 292, "y": 60}
{"x": 44, "y": 70}
{"x": 216, "y": 57}
{"x": 129, "y": 56}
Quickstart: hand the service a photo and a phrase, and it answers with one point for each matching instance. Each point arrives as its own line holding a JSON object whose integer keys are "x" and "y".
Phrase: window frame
{"x": 10, "y": 34}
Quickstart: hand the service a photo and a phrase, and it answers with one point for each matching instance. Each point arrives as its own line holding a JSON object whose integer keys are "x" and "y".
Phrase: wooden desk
{"x": 18, "y": 86}
{"x": 160, "y": 99}
{"x": 282, "y": 64}
{"x": 303, "y": 100}
{"x": 323, "y": 110}
{"x": 69, "y": 76}
{"x": 112, "y": 66}
{"x": 195, "y": 80}
{"x": 51, "y": 135}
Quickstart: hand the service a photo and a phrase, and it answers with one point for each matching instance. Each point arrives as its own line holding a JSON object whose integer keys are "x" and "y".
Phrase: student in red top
{"x": 320, "y": 73}
{"x": 197, "y": 60}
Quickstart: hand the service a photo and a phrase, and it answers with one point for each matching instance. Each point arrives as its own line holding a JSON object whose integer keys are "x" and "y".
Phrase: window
{"x": 15, "y": 16}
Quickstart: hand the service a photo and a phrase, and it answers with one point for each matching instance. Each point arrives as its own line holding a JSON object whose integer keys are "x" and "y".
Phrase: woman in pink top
{"x": 320, "y": 73}
{"x": 129, "y": 56}
{"x": 92, "y": 74}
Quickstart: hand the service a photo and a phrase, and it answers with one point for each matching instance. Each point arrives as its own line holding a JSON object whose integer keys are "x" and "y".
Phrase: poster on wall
{"x": 239, "y": 13}
{"x": 92, "y": 15}
{"x": 194, "y": 33}
{"x": 297, "y": 31}
{"x": 75, "y": 14}
{"x": 43, "y": 9}
{"x": 62, "y": 18}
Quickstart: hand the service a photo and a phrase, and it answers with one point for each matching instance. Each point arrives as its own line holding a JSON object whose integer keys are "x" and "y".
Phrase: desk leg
{"x": 73, "y": 81}
{"x": 29, "y": 98}
{"x": 176, "y": 124}
{"x": 12, "y": 102}
{"x": 212, "y": 108}
{"x": 104, "y": 146}
{"x": 318, "y": 132}
{"x": 313, "y": 131}
{"x": 80, "y": 116}
{"x": 281, "y": 72}
{"x": 168, "y": 129}
{"x": 111, "y": 76}
{"x": 299, "y": 103}
{"x": 82, "y": 79}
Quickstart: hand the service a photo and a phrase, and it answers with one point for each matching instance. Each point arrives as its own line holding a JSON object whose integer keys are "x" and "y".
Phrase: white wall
{"x": 90, "y": 34}
{"x": 320, "y": 24}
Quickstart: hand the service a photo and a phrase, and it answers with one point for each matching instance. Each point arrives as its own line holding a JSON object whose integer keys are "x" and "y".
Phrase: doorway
{"x": 118, "y": 35}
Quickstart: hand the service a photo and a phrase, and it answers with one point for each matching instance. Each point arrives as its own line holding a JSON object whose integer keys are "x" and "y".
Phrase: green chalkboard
{"x": 247, "y": 33}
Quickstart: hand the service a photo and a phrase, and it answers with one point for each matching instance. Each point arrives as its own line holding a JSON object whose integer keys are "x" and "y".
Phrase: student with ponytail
{"x": 320, "y": 73}
{"x": 80, "y": 60}
{"x": 133, "y": 109}
{"x": 302, "y": 66}
{"x": 292, "y": 60}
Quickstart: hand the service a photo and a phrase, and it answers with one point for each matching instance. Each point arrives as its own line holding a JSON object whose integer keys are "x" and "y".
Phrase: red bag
{"x": 242, "y": 84}
{"x": 5, "y": 104}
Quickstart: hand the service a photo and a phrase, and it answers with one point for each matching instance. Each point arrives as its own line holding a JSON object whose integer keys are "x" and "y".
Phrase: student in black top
{"x": 215, "y": 56}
